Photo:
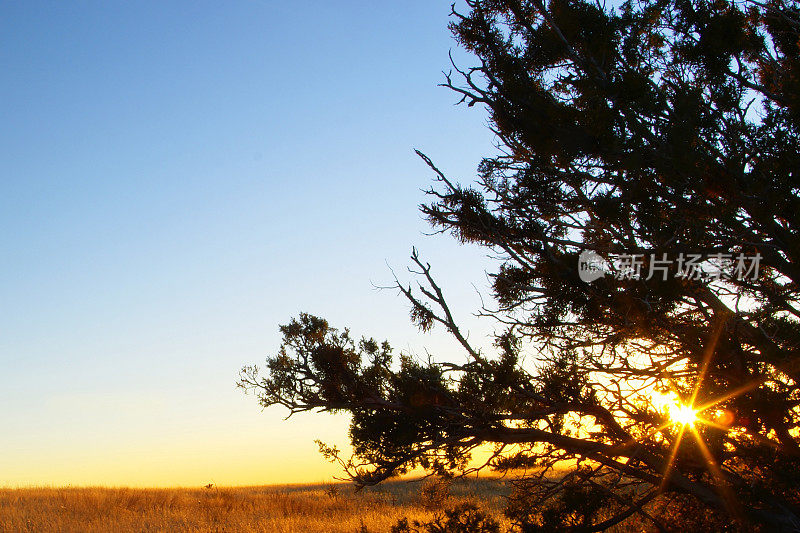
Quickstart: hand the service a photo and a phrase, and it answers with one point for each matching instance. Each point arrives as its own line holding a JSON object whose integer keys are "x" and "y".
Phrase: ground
{"x": 329, "y": 508}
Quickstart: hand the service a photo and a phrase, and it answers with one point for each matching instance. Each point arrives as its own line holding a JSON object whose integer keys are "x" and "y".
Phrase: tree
{"x": 644, "y": 206}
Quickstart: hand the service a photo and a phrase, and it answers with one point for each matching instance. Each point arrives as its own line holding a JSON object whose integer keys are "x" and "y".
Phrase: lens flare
{"x": 725, "y": 418}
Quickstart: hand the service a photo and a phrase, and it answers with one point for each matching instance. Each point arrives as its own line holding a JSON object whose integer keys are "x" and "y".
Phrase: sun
{"x": 683, "y": 414}
{"x": 678, "y": 412}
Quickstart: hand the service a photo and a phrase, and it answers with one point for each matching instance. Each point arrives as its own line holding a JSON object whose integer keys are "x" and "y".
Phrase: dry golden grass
{"x": 269, "y": 509}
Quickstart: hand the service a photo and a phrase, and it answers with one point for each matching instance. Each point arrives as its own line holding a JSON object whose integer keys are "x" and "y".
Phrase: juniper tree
{"x": 658, "y": 139}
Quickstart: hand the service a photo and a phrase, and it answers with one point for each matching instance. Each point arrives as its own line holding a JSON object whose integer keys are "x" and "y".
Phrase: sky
{"x": 179, "y": 178}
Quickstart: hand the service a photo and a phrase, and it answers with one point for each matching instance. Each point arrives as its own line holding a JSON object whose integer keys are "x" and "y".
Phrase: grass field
{"x": 278, "y": 509}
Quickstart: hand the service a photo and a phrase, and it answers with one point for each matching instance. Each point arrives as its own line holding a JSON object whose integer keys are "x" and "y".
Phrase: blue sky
{"x": 177, "y": 179}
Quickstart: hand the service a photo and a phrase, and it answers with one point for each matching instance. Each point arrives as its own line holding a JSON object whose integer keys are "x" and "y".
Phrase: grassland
{"x": 268, "y": 509}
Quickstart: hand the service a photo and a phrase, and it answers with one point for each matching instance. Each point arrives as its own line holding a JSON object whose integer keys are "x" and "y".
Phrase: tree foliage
{"x": 655, "y": 129}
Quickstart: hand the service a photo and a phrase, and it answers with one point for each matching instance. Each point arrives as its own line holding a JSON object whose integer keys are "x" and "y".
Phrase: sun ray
{"x": 791, "y": 366}
{"x": 722, "y": 486}
{"x": 673, "y": 453}
{"x": 735, "y": 392}
{"x": 707, "y": 356}
{"x": 633, "y": 441}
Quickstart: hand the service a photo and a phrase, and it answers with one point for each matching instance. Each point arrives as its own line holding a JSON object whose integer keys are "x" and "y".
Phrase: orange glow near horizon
{"x": 247, "y": 448}
{"x": 171, "y": 467}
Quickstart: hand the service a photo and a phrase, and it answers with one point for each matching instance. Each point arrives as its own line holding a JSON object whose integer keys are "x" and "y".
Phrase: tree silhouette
{"x": 644, "y": 206}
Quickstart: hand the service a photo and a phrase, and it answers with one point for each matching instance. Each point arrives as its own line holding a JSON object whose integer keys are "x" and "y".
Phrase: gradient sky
{"x": 179, "y": 178}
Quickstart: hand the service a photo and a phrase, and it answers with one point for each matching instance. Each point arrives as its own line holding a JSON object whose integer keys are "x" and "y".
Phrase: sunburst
{"x": 688, "y": 414}
{"x": 678, "y": 412}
